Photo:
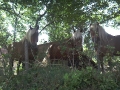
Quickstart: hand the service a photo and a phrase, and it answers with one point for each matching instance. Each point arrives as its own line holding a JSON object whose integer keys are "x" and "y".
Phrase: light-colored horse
{"x": 104, "y": 43}
{"x": 17, "y": 49}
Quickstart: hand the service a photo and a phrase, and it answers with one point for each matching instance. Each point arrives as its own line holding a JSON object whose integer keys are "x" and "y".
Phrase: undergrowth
{"x": 61, "y": 78}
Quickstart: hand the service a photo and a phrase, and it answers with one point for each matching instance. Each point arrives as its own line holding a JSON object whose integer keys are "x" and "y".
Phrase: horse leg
{"x": 93, "y": 64}
{"x": 31, "y": 63}
{"x": 18, "y": 66}
{"x": 23, "y": 65}
{"x": 51, "y": 61}
{"x": 76, "y": 61}
{"x": 11, "y": 64}
{"x": 100, "y": 63}
{"x": 110, "y": 63}
{"x": 69, "y": 62}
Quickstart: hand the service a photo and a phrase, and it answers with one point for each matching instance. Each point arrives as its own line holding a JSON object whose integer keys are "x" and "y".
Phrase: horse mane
{"x": 28, "y": 35}
{"x": 102, "y": 33}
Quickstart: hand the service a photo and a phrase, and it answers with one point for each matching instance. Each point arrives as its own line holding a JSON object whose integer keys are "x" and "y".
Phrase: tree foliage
{"x": 58, "y": 18}
{"x": 62, "y": 15}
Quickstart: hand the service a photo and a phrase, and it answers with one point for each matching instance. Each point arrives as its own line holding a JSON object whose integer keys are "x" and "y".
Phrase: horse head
{"x": 32, "y": 36}
{"x": 94, "y": 31}
{"x": 98, "y": 33}
{"x": 77, "y": 38}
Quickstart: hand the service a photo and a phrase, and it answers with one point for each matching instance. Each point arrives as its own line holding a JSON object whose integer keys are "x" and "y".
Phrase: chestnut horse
{"x": 17, "y": 49}
{"x": 68, "y": 51}
{"x": 104, "y": 43}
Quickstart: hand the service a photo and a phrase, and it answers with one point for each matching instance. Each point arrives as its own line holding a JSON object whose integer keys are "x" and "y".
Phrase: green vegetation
{"x": 61, "y": 78}
{"x": 57, "y": 18}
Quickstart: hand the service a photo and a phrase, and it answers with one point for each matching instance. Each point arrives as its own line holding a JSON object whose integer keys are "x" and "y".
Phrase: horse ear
{"x": 97, "y": 23}
{"x": 31, "y": 27}
{"x": 74, "y": 30}
{"x": 81, "y": 29}
{"x": 90, "y": 24}
{"x": 37, "y": 27}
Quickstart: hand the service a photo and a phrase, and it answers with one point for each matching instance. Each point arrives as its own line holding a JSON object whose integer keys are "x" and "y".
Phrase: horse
{"x": 65, "y": 50}
{"x": 68, "y": 51}
{"x": 104, "y": 44}
{"x": 17, "y": 49}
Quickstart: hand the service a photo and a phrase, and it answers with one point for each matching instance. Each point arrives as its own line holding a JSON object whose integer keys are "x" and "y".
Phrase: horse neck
{"x": 26, "y": 37}
{"x": 103, "y": 36}
{"x": 27, "y": 41}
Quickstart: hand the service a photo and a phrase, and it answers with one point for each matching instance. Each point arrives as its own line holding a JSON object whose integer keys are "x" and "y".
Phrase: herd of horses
{"x": 68, "y": 51}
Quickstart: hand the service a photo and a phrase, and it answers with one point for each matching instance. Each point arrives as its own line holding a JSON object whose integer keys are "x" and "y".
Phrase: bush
{"x": 88, "y": 79}
{"x": 47, "y": 78}
{"x": 60, "y": 78}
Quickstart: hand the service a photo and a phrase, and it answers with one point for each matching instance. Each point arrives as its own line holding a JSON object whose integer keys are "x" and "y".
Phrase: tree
{"x": 58, "y": 18}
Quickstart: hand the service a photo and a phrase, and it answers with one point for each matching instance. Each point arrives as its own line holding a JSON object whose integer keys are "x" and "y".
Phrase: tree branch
{"x": 39, "y": 18}
{"x": 45, "y": 26}
{"x": 111, "y": 17}
{"x": 9, "y": 10}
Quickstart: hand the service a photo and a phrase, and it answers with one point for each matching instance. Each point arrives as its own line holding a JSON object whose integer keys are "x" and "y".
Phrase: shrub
{"x": 38, "y": 78}
{"x": 60, "y": 78}
{"x": 88, "y": 79}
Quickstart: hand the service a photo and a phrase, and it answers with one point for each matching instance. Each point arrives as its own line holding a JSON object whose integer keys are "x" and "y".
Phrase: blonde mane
{"x": 28, "y": 35}
{"x": 102, "y": 33}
